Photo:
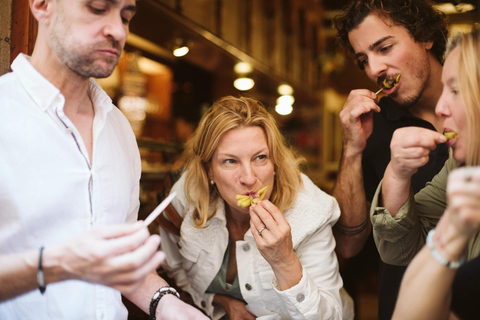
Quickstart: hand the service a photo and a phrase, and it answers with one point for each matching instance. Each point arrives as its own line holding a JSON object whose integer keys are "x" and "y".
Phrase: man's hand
{"x": 235, "y": 308}
{"x": 172, "y": 308}
{"x": 357, "y": 120}
{"x": 410, "y": 150}
{"x": 119, "y": 256}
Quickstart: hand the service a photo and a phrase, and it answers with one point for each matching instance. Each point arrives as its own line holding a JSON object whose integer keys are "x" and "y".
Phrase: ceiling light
{"x": 283, "y": 109}
{"x": 285, "y": 89}
{"x": 244, "y": 84}
{"x": 243, "y": 68}
{"x": 450, "y": 8}
{"x": 181, "y": 47}
{"x": 180, "y": 51}
{"x": 286, "y": 99}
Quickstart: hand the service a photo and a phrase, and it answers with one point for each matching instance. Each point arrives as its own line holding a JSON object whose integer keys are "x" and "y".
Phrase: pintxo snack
{"x": 388, "y": 84}
{"x": 246, "y": 200}
{"x": 450, "y": 135}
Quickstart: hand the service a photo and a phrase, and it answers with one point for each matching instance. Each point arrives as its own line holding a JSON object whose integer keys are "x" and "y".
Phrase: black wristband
{"x": 157, "y": 296}
{"x": 351, "y": 230}
{"x": 40, "y": 278}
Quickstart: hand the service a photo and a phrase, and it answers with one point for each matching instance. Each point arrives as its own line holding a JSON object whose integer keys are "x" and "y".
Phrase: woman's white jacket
{"x": 194, "y": 259}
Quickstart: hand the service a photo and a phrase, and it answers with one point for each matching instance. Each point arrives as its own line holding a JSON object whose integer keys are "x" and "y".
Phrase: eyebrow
{"x": 373, "y": 45}
{"x": 131, "y": 7}
{"x": 226, "y": 154}
{"x": 451, "y": 81}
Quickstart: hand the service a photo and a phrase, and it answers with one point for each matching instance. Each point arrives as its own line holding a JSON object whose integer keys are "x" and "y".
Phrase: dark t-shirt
{"x": 376, "y": 157}
{"x": 466, "y": 291}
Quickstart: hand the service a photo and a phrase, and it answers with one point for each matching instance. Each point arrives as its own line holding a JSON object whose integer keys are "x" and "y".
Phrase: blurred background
{"x": 182, "y": 55}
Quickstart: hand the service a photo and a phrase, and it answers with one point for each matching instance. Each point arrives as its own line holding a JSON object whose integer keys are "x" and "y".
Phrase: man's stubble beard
{"x": 410, "y": 100}
{"x": 79, "y": 58}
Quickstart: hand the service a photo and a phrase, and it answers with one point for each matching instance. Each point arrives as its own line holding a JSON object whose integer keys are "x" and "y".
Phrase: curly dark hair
{"x": 419, "y": 17}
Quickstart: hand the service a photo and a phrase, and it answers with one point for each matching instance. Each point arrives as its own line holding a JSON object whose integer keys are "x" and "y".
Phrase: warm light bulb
{"x": 286, "y": 99}
{"x": 181, "y": 51}
{"x": 244, "y": 84}
{"x": 242, "y": 68}
{"x": 283, "y": 109}
{"x": 285, "y": 89}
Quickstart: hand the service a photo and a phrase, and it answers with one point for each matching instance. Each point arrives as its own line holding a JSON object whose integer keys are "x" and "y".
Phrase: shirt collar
{"x": 102, "y": 103}
{"x": 43, "y": 92}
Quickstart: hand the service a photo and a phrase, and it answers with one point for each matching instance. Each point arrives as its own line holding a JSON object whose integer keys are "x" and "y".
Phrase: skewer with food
{"x": 246, "y": 200}
{"x": 450, "y": 135}
{"x": 389, "y": 84}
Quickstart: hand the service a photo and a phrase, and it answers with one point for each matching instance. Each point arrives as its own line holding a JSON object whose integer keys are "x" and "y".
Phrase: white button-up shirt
{"x": 50, "y": 192}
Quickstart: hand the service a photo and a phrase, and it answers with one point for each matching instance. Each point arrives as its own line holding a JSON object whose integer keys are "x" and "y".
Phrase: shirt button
{"x": 248, "y": 286}
{"x": 246, "y": 247}
{"x": 300, "y": 297}
{"x": 203, "y": 304}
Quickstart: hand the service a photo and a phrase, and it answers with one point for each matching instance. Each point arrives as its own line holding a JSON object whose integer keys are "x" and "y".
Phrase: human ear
{"x": 42, "y": 10}
{"x": 428, "y": 45}
{"x": 209, "y": 172}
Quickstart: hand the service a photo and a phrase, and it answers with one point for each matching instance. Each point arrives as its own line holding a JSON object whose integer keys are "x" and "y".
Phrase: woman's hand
{"x": 235, "y": 308}
{"x": 410, "y": 150}
{"x": 463, "y": 198}
{"x": 273, "y": 237}
{"x": 461, "y": 219}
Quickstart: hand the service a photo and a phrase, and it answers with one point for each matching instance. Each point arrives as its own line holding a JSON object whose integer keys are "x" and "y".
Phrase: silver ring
{"x": 260, "y": 230}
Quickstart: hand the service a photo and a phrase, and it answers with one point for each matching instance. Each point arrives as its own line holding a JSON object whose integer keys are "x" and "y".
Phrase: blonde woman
{"x": 273, "y": 259}
{"x": 427, "y": 291}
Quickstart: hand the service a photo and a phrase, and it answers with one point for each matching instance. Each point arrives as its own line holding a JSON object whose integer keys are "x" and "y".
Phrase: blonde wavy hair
{"x": 224, "y": 115}
{"x": 469, "y": 86}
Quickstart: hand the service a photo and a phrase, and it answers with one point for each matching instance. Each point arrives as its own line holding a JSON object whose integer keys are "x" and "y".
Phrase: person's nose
{"x": 442, "y": 108}
{"x": 376, "y": 67}
{"x": 248, "y": 177}
{"x": 116, "y": 28}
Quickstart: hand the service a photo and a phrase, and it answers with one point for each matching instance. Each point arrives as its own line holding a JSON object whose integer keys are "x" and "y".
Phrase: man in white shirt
{"x": 69, "y": 177}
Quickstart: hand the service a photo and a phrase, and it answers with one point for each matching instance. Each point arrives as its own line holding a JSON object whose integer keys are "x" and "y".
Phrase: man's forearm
{"x": 353, "y": 226}
{"x": 143, "y": 295}
{"x": 18, "y": 274}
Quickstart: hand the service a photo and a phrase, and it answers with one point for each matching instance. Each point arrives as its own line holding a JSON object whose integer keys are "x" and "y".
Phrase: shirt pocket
{"x": 266, "y": 279}
{"x": 190, "y": 255}
{"x": 269, "y": 295}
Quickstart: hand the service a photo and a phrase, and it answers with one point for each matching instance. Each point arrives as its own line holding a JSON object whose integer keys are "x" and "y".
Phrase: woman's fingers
{"x": 261, "y": 217}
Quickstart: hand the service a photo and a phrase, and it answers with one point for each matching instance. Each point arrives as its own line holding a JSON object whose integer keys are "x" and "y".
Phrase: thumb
{"x": 440, "y": 138}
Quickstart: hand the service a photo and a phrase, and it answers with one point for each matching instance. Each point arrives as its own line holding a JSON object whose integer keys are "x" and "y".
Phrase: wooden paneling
{"x": 5, "y": 27}
{"x": 24, "y": 29}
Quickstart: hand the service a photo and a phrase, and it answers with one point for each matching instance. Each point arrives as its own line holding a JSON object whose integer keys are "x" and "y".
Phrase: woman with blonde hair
{"x": 256, "y": 238}
{"x": 445, "y": 275}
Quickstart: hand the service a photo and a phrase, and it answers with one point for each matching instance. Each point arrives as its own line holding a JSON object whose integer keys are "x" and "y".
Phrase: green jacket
{"x": 399, "y": 238}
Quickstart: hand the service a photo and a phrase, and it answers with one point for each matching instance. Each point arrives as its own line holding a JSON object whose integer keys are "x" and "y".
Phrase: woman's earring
{"x": 211, "y": 182}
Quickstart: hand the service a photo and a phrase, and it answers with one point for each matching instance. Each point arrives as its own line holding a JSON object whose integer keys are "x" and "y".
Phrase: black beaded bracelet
{"x": 40, "y": 277}
{"x": 157, "y": 296}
